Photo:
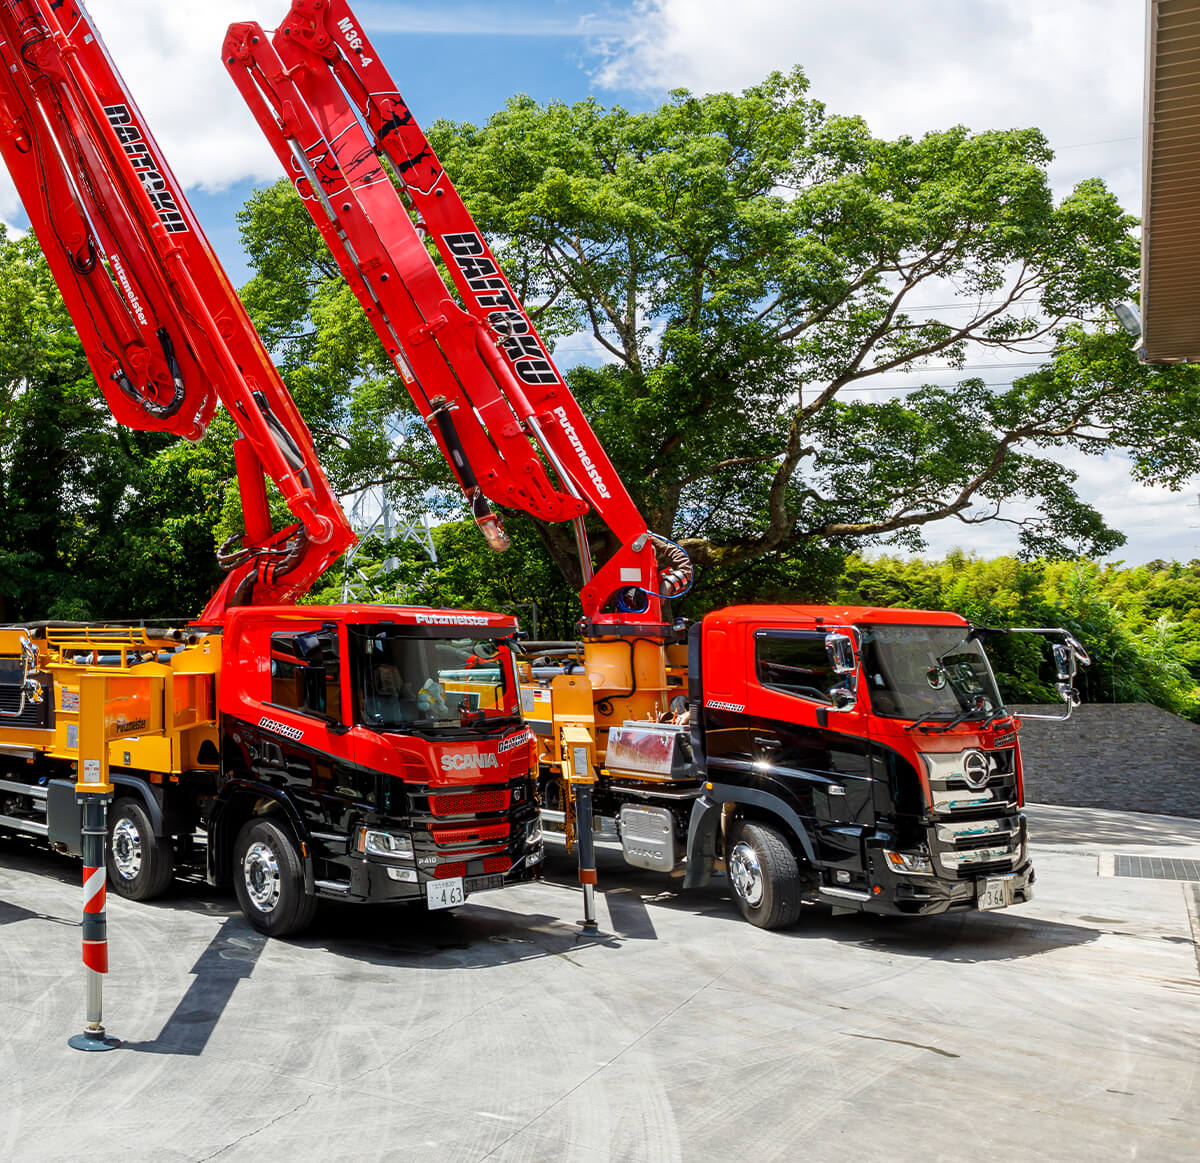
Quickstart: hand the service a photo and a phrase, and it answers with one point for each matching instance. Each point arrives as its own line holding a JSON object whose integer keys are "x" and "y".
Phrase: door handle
{"x": 765, "y": 743}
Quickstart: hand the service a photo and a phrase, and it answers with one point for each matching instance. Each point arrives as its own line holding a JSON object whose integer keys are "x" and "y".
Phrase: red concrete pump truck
{"x": 861, "y": 757}
{"x": 360, "y": 753}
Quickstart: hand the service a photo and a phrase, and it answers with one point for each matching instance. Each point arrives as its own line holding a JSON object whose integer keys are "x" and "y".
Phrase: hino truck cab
{"x": 862, "y": 757}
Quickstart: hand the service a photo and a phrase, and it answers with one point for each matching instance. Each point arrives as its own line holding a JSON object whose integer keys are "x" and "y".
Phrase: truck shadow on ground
{"x": 478, "y": 934}
{"x": 966, "y": 937}
{"x": 24, "y": 855}
{"x": 389, "y": 937}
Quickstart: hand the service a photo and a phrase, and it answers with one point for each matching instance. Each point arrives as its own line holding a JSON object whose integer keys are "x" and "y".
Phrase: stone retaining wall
{"x": 1130, "y": 757}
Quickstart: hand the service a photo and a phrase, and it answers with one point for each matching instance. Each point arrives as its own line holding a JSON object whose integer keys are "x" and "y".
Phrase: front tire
{"x": 268, "y": 876}
{"x": 140, "y": 864}
{"x": 764, "y": 875}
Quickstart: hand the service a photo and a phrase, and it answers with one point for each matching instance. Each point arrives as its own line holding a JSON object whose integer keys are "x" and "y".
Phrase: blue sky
{"x": 463, "y": 62}
{"x": 1071, "y": 67}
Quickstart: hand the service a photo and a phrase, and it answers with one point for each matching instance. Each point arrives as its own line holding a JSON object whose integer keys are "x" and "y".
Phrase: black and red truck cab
{"x": 858, "y": 756}
{"x": 387, "y": 740}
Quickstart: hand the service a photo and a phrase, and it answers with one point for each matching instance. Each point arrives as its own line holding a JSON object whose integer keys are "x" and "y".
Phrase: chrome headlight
{"x": 908, "y": 863}
{"x": 373, "y": 843}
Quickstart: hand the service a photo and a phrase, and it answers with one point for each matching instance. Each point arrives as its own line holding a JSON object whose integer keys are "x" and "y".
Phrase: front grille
{"x": 470, "y": 835}
{"x": 953, "y": 796}
{"x": 497, "y": 864}
{"x": 976, "y": 830}
{"x": 470, "y": 803}
{"x": 32, "y": 714}
{"x": 445, "y": 871}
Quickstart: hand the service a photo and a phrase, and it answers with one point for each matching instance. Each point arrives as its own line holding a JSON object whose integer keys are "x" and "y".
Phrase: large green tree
{"x": 741, "y": 267}
{"x": 98, "y": 521}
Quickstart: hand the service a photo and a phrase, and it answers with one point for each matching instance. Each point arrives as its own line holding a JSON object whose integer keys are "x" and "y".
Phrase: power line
{"x": 917, "y": 387}
{"x": 1106, "y": 141}
{"x": 946, "y": 367}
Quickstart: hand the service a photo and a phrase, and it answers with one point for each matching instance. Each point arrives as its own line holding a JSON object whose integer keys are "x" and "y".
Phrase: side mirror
{"x": 1069, "y": 654}
{"x": 840, "y": 648}
{"x": 844, "y": 699}
{"x": 1064, "y": 662}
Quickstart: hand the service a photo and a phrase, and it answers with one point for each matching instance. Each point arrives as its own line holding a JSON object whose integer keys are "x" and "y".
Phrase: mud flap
{"x": 63, "y": 818}
{"x": 702, "y": 842}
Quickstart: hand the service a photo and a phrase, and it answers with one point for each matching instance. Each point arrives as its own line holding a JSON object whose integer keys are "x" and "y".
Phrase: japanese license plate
{"x": 994, "y": 892}
{"x": 444, "y": 894}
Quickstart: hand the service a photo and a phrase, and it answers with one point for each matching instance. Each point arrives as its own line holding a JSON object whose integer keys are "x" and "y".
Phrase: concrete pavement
{"x": 1066, "y": 1028}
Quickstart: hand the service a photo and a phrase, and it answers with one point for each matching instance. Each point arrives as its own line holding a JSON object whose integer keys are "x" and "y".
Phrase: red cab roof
{"x": 423, "y": 616}
{"x": 807, "y": 617}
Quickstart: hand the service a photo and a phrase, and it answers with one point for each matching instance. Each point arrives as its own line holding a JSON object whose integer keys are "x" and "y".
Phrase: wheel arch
{"x": 127, "y": 786}
{"x": 765, "y": 808}
{"x": 238, "y": 802}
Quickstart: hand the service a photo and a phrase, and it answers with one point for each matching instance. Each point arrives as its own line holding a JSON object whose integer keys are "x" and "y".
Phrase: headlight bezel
{"x": 909, "y": 863}
{"x": 379, "y": 842}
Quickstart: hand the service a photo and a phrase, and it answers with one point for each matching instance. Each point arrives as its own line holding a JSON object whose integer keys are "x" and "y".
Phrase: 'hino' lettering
{"x": 281, "y": 728}
{"x": 464, "y": 762}
{"x": 577, "y": 444}
{"x": 491, "y": 292}
{"x": 718, "y": 705}
{"x": 145, "y": 165}
{"x": 514, "y": 741}
{"x": 453, "y": 620}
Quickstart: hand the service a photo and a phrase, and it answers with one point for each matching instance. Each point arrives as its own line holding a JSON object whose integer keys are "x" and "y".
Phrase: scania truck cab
{"x": 357, "y": 753}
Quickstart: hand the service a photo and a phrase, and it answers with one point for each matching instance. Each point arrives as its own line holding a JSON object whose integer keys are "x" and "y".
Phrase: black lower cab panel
{"x": 474, "y": 839}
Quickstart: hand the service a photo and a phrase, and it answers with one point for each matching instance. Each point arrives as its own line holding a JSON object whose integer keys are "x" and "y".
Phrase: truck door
{"x": 310, "y": 754}
{"x": 808, "y": 743}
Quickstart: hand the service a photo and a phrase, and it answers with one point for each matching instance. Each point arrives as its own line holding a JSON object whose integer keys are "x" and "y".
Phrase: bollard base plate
{"x": 93, "y": 1042}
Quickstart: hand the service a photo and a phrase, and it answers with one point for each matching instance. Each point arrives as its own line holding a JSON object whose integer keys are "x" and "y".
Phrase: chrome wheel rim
{"x": 746, "y": 874}
{"x": 127, "y": 849}
{"x": 260, "y": 870}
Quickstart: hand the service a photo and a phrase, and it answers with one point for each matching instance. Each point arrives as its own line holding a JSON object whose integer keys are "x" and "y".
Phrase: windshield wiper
{"x": 925, "y": 719}
{"x": 961, "y": 717}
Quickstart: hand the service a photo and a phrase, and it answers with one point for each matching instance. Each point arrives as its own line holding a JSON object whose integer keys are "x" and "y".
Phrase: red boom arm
{"x": 481, "y": 378}
{"x": 163, "y": 329}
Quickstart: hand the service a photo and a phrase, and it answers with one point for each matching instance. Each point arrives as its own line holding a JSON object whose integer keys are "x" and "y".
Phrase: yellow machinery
{"x": 150, "y": 697}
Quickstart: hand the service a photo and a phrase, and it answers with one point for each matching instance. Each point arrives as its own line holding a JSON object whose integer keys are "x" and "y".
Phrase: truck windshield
{"x": 402, "y": 679}
{"x": 916, "y": 672}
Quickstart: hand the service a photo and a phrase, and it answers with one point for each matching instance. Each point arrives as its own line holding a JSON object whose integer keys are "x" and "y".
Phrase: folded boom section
{"x": 165, "y": 334}
{"x": 481, "y": 377}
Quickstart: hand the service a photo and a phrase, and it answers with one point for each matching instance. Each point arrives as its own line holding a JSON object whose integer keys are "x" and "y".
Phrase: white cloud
{"x": 1070, "y": 67}
{"x": 170, "y": 57}
{"x": 530, "y": 19}
{"x": 1157, "y": 522}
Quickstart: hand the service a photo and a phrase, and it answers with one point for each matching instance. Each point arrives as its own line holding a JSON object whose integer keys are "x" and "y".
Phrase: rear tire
{"x": 268, "y": 876}
{"x": 764, "y": 875}
{"x": 140, "y": 864}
